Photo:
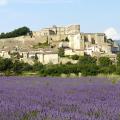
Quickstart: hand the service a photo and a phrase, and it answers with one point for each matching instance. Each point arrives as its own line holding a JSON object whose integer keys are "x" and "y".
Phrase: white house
{"x": 5, "y": 54}
{"x": 92, "y": 49}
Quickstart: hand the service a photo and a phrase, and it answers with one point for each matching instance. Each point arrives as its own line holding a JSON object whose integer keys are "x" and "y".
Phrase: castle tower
{"x": 76, "y": 42}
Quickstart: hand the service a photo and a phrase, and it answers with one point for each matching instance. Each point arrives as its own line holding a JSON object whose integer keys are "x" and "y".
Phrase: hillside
{"x": 23, "y": 42}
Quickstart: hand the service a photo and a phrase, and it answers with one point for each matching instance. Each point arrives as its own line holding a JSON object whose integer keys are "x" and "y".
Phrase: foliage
{"x": 66, "y": 39}
{"x": 108, "y": 70}
{"x": 118, "y": 59}
{"x": 57, "y": 70}
{"x": 26, "y": 67}
{"x": 37, "y": 66}
{"x": 104, "y": 62}
{"x": 16, "y": 33}
{"x": 75, "y": 57}
{"x": 83, "y": 60}
{"x": 5, "y": 64}
{"x": 41, "y": 45}
{"x": 86, "y": 66}
{"x": 15, "y": 55}
{"x": 18, "y": 67}
{"x": 28, "y": 116}
{"x": 61, "y": 52}
{"x": 89, "y": 70}
{"x": 118, "y": 70}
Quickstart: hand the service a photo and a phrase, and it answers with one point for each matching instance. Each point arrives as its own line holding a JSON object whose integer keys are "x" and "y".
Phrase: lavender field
{"x": 34, "y": 98}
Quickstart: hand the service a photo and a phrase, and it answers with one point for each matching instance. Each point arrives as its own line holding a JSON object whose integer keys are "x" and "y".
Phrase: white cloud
{"x": 112, "y": 33}
{"x": 3, "y": 2}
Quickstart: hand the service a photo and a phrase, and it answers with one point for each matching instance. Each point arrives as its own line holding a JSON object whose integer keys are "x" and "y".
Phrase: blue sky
{"x": 92, "y": 15}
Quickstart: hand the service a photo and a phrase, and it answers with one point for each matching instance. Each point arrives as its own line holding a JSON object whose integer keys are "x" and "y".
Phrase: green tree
{"x": 18, "y": 67}
{"x": 104, "y": 62}
{"x": 27, "y": 67}
{"x": 90, "y": 70}
{"x": 16, "y": 33}
{"x": 5, "y": 64}
{"x": 118, "y": 59}
{"x": 118, "y": 70}
{"x": 38, "y": 66}
{"x": 108, "y": 70}
{"x": 66, "y": 39}
{"x": 61, "y": 52}
{"x": 83, "y": 60}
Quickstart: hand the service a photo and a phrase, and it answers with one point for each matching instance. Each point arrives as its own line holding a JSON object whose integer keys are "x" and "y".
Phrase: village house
{"x": 44, "y": 57}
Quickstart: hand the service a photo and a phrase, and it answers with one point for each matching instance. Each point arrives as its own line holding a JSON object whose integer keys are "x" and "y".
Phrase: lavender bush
{"x": 34, "y": 98}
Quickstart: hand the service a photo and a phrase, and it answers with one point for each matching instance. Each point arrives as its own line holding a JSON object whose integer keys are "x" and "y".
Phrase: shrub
{"x": 5, "y": 64}
{"x": 90, "y": 70}
{"x": 118, "y": 59}
{"x": 66, "y": 39}
{"x": 38, "y": 66}
{"x": 108, "y": 70}
{"x": 27, "y": 67}
{"x": 18, "y": 67}
{"x": 118, "y": 70}
{"x": 61, "y": 52}
{"x": 75, "y": 57}
{"x": 104, "y": 62}
{"x": 83, "y": 60}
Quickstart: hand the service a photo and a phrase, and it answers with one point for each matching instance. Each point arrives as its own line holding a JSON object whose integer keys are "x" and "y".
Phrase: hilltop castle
{"x": 89, "y": 43}
{"x": 69, "y": 37}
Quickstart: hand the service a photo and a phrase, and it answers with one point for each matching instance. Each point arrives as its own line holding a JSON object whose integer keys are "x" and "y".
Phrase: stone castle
{"x": 77, "y": 43}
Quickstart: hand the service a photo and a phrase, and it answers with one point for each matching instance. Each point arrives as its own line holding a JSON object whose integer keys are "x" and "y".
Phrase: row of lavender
{"x": 58, "y": 99}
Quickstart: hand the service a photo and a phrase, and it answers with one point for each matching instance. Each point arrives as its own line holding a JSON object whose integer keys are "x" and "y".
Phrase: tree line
{"x": 86, "y": 66}
{"x": 16, "y": 33}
